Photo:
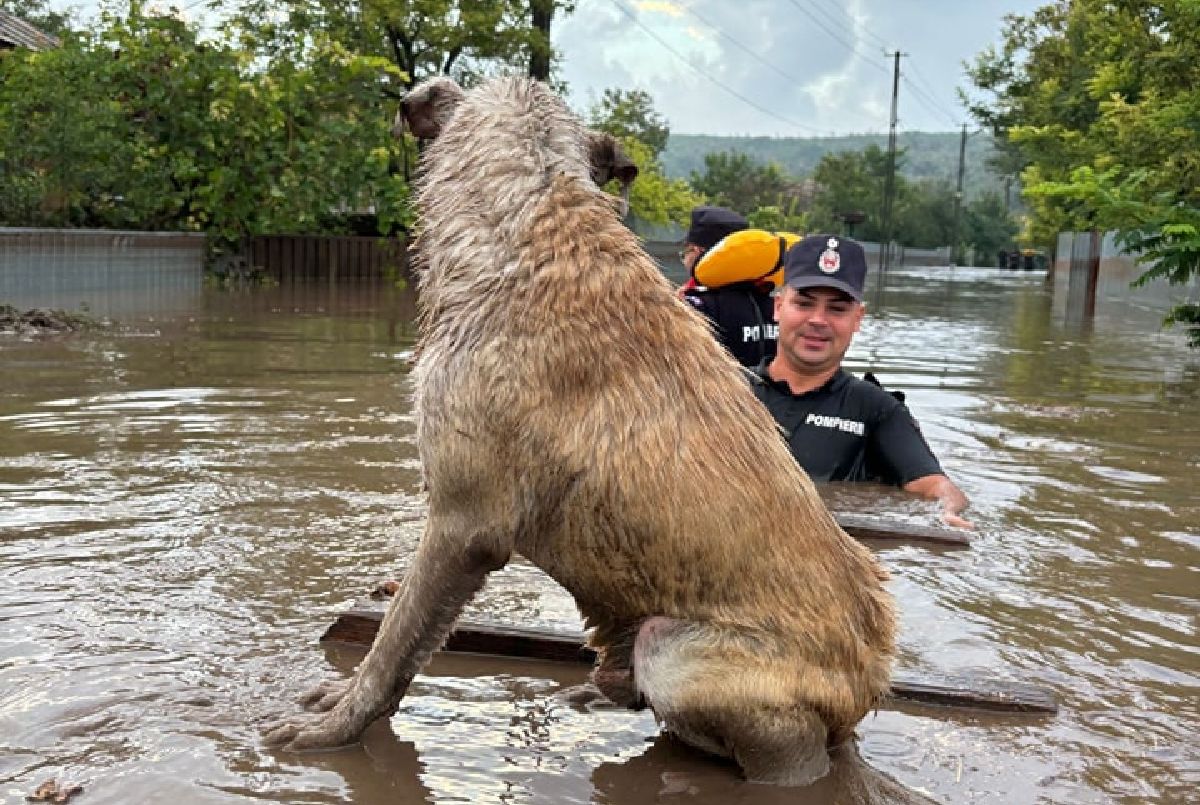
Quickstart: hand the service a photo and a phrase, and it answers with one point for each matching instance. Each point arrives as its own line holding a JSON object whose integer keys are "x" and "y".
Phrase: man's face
{"x": 816, "y": 326}
{"x": 690, "y": 255}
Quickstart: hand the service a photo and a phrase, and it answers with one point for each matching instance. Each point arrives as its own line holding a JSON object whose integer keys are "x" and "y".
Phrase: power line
{"x": 740, "y": 46}
{"x": 926, "y": 85}
{"x": 919, "y": 77}
{"x": 925, "y": 98}
{"x": 195, "y": 3}
{"x": 720, "y": 84}
{"x": 928, "y": 102}
{"x": 834, "y": 19}
{"x": 750, "y": 51}
{"x": 920, "y": 95}
{"x": 849, "y": 45}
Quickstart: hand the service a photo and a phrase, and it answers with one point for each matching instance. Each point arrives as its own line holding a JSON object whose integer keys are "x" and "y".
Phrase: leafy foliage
{"x": 852, "y": 182}
{"x": 466, "y": 39}
{"x": 780, "y": 218}
{"x": 734, "y": 180}
{"x": 280, "y": 123}
{"x": 630, "y": 114}
{"x": 140, "y": 125}
{"x": 986, "y": 228}
{"x": 925, "y": 214}
{"x": 1099, "y": 103}
{"x": 848, "y": 183}
{"x": 654, "y": 197}
{"x": 630, "y": 117}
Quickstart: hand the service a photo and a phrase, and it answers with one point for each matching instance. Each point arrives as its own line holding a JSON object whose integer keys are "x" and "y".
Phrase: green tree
{"x": 630, "y": 116}
{"x": 851, "y": 181}
{"x": 780, "y": 218}
{"x": 466, "y": 39}
{"x": 654, "y": 197}
{"x": 987, "y": 228}
{"x": 630, "y": 113}
{"x": 925, "y": 214}
{"x": 1098, "y": 101}
{"x": 923, "y": 211}
{"x": 138, "y": 124}
{"x": 732, "y": 179}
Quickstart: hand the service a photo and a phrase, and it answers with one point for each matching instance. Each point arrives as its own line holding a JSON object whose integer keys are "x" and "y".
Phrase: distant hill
{"x": 930, "y": 155}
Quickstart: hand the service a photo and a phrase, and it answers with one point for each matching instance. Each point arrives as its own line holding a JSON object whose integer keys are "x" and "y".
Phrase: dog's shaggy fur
{"x": 571, "y": 409}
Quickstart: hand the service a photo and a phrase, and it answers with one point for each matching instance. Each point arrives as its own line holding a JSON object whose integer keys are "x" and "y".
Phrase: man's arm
{"x": 914, "y": 468}
{"x": 940, "y": 488}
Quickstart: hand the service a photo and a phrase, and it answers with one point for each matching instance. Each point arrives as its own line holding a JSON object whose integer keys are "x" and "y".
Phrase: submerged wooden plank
{"x": 977, "y": 693}
{"x": 863, "y": 526}
{"x": 358, "y": 626}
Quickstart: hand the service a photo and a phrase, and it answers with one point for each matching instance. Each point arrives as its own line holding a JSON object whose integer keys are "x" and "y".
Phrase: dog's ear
{"x": 428, "y": 107}
{"x": 609, "y": 161}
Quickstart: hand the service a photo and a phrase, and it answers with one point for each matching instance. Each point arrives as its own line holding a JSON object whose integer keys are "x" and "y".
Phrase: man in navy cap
{"x": 741, "y": 313}
{"x": 839, "y": 427}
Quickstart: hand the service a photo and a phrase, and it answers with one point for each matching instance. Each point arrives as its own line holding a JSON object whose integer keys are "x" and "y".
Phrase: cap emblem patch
{"x": 830, "y": 261}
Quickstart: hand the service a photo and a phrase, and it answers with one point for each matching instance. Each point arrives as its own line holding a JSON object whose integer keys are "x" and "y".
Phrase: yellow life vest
{"x": 751, "y": 255}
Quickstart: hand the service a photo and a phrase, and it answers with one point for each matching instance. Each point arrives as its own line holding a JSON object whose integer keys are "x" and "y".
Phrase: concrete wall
{"x": 108, "y": 272}
{"x": 1092, "y": 277}
{"x": 903, "y": 256}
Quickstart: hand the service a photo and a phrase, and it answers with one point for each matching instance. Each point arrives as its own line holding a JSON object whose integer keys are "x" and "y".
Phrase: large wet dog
{"x": 572, "y": 410}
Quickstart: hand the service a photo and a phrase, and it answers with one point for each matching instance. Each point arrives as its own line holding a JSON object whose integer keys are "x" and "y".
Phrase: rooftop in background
{"x": 16, "y": 33}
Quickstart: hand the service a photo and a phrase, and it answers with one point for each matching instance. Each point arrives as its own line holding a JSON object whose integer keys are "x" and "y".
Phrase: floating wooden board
{"x": 863, "y": 526}
{"x": 358, "y": 627}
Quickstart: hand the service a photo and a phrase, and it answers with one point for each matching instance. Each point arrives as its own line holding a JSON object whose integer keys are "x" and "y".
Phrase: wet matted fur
{"x": 572, "y": 409}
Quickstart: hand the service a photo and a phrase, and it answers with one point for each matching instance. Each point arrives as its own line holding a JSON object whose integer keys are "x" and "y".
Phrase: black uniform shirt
{"x": 744, "y": 318}
{"x": 848, "y": 430}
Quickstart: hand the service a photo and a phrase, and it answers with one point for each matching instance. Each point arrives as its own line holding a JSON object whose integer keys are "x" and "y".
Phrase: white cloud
{"x": 782, "y": 67}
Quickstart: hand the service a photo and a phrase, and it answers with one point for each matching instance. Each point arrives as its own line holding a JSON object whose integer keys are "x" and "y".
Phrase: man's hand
{"x": 942, "y": 489}
{"x": 955, "y": 521}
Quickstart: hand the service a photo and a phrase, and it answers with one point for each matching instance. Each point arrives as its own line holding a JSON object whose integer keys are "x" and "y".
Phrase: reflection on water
{"x": 184, "y": 503}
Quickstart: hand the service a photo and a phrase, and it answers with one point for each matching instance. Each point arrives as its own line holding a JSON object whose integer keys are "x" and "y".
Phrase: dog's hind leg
{"x": 707, "y": 687}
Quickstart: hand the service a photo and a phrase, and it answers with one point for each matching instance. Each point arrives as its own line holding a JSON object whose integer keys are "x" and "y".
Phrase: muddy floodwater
{"x": 187, "y": 500}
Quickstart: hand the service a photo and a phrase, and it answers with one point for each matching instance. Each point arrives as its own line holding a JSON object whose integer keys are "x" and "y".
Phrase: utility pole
{"x": 889, "y": 180}
{"x": 958, "y": 195}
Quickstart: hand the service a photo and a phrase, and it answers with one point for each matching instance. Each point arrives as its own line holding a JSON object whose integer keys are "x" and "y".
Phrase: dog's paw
{"x": 325, "y": 696}
{"x": 306, "y": 734}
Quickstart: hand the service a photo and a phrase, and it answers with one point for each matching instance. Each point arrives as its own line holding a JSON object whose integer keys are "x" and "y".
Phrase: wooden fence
{"x": 329, "y": 258}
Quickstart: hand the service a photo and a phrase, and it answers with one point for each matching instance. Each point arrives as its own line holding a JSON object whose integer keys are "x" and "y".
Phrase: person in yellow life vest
{"x": 742, "y": 313}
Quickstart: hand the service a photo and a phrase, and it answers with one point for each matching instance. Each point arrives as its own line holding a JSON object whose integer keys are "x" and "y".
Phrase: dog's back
{"x": 642, "y": 473}
{"x": 569, "y": 407}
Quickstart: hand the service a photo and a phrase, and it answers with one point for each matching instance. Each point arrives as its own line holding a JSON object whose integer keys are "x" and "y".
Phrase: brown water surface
{"x": 185, "y": 502}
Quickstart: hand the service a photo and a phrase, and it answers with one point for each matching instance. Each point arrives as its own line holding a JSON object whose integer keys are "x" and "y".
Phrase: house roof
{"x": 15, "y": 32}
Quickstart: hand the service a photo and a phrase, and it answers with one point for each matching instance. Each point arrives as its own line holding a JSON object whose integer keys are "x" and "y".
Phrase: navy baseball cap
{"x": 826, "y": 261}
{"x": 711, "y": 224}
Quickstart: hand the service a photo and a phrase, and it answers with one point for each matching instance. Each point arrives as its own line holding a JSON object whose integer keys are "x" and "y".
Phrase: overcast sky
{"x": 781, "y": 67}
